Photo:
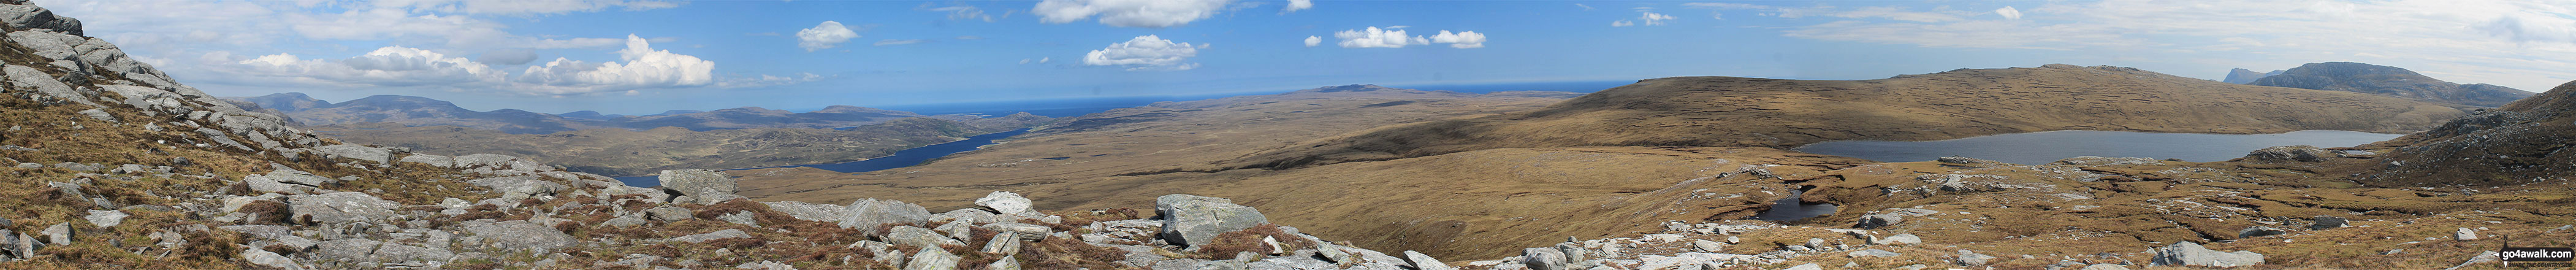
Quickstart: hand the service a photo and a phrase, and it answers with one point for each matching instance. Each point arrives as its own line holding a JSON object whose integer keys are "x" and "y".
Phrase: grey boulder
{"x": 1878, "y": 220}
{"x": 702, "y": 186}
{"x": 341, "y": 207}
{"x": 932, "y": 259}
{"x": 1191, "y": 220}
{"x": 867, "y": 214}
{"x": 1543, "y": 259}
{"x": 2190, "y": 254}
{"x": 359, "y": 152}
{"x": 1007, "y": 203}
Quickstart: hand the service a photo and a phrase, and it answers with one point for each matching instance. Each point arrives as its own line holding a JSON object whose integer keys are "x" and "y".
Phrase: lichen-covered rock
{"x": 2191, "y": 254}
{"x": 340, "y": 207}
{"x": 359, "y": 152}
{"x": 1007, "y": 203}
{"x": 810, "y": 211}
{"x": 867, "y": 214}
{"x": 932, "y": 259}
{"x": 702, "y": 186}
{"x": 919, "y": 237}
{"x": 1191, "y": 220}
{"x": 432, "y": 160}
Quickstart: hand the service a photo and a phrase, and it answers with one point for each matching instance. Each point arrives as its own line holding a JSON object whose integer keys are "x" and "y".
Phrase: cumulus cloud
{"x": 1621, "y": 23}
{"x": 1147, "y": 52}
{"x": 1312, "y": 41}
{"x": 388, "y": 66}
{"x": 823, "y": 36}
{"x": 1129, "y": 13}
{"x": 643, "y": 68}
{"x": 1373, "y": 37}
{"x": 1652, "y": 18}
{"x": 2009, "y": 13}
{"x": 1462, "y": 39}
{"x": 1296, "y": 5}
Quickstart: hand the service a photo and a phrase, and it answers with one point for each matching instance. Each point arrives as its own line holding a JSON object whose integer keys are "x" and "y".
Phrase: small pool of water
{"x": 1787, "y": 209}
{"x": 2045, "y": 147}
{"x": 904, "y": 158}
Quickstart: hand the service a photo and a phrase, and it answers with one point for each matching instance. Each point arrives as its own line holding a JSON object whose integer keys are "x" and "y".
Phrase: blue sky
{"x": 632, "y": 57}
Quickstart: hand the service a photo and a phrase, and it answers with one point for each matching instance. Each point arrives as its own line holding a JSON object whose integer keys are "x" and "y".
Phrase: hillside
{"x": 2520, "y": 143}
{"x": 2390, "y": 81}
{"x": 1732, "y": 111}
{"x": 622, "y": 152}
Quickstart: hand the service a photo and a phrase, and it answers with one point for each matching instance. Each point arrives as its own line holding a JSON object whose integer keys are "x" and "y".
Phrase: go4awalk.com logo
{"x": 2519, "y": 257}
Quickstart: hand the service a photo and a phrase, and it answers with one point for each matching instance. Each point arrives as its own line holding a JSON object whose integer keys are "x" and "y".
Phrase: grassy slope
{"x": 1730, "y": 111}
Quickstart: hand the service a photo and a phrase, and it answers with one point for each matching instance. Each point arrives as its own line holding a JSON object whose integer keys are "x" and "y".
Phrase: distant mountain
{"x": 2390, "y": 81}
{"x": 756, "y": 117}
{"x": 592, "y": 115}
{"x": 2243, "y": 76}
{"x": 287, "y": 102}
{"x": 422, "y": 111}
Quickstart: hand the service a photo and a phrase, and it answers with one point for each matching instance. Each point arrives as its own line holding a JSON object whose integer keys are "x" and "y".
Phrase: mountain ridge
{"x": 2390, "y": 81}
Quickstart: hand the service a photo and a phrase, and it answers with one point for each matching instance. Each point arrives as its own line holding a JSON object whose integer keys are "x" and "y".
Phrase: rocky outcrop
{"x": 2297, "y": 153}
{"x": 2191, "y": 254}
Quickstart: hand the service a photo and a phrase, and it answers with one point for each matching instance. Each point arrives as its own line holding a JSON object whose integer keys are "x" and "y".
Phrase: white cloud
{"x": 1129, "y": 13}
{"x": 2009, "y": 13}
{"x": 1462, "y": 39}
{"x": 1645, "y": 16}
{"x": 892, "y": 42}
{"x": 1296, "y": 5}
{"x": 824, "y": 36}
{"x": 1585, "y": 7}
{"x": 765, "y": 80}
{"x": 388, "y": 66}
{"x": 1312, "y": 41}
{"x": 964, "y": 13}
{"x": 644, "y": 68}
{"x": 1147, "y": 52}
{"x": 508, "y": 57}
{"x": 1374, "y": 37}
